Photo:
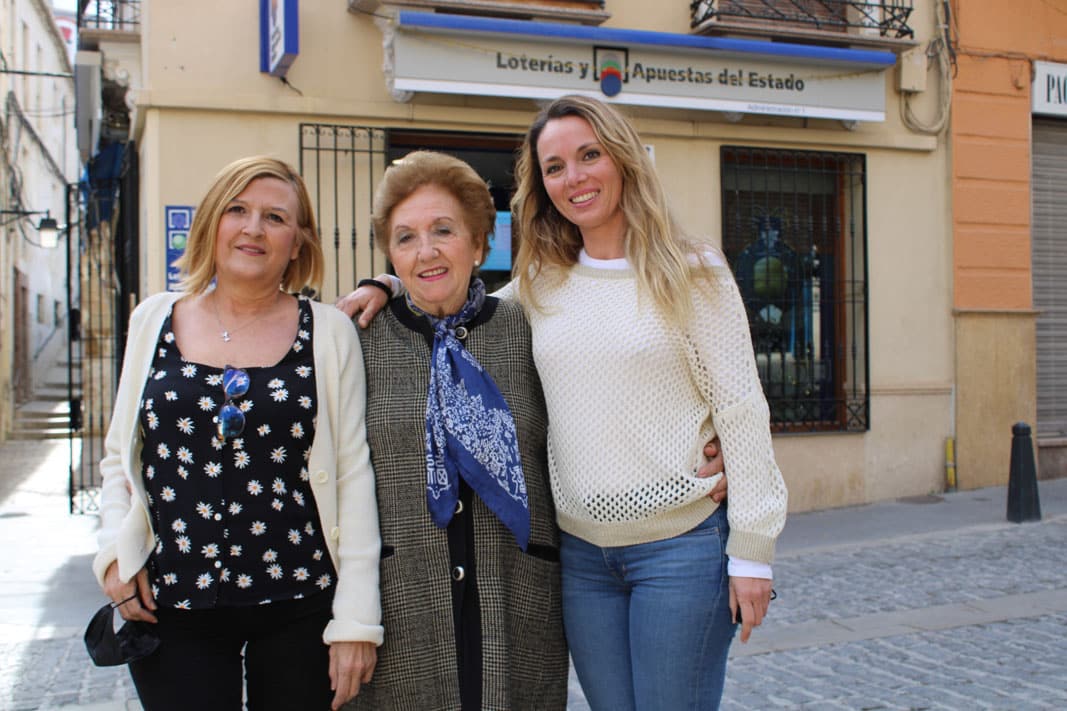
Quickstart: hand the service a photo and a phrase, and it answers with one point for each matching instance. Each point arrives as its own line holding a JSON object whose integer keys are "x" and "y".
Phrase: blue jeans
{"x": 649, "y": 625}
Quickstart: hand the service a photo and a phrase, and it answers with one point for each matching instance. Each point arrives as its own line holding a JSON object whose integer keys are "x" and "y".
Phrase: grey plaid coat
{"x": 524, "y": 655}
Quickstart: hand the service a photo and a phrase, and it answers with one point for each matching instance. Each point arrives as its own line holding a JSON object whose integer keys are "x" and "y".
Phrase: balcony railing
{"x": 113, "y": 15}
{"x": 887, "y": 19}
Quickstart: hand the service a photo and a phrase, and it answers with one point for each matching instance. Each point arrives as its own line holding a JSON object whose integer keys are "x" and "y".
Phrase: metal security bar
{"x": 888, "y": 18}
{"x": 341, "y": 165}
{"x": 116, "y": 15}
{"x": 794, "y": 232}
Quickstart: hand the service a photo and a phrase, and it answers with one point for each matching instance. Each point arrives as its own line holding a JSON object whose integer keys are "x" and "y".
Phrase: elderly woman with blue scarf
{"x": 456, "y": 424}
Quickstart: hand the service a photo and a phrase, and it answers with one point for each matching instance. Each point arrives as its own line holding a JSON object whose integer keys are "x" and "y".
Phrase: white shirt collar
{"x": 617, "y": 264}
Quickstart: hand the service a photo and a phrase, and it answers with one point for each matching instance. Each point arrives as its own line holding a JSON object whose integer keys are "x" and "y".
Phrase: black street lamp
{"x": 47, "y": 228}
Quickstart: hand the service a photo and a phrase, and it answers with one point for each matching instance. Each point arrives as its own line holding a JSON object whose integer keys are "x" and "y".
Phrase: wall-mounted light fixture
{"x": 47, "y": 228}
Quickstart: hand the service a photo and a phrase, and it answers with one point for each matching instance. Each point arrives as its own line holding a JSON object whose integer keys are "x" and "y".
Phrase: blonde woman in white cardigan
{"x": 237, "y": 510}
{"x": 641, "y": 341}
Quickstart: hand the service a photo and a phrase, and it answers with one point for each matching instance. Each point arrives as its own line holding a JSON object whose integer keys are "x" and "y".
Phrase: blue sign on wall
{"x": 279, "y": 35}
{"x": 179, "y": 218}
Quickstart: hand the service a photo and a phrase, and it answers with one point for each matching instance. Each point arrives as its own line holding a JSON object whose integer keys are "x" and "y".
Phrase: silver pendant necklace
{"x": 225, "y": 333}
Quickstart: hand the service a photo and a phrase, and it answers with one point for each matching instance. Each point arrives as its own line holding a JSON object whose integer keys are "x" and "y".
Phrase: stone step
{"x": 39, "y": 419}
{"x": 39, "y": 433}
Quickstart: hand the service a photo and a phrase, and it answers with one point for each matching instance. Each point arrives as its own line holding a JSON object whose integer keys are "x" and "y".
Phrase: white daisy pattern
{"x": 236, "y": 500}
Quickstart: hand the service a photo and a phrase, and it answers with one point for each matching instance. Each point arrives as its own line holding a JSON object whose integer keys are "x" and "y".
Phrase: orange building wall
{"x": 990, "y": 134}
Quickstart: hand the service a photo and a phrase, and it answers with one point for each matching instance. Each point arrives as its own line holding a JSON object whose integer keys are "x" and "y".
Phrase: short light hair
{"x": 197, "y": 265}
{"x": 421, "y": 168}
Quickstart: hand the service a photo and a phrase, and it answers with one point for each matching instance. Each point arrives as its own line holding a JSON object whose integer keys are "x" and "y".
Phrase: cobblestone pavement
{"x": 891, "y": 606}
{"x": 963, "y": 619}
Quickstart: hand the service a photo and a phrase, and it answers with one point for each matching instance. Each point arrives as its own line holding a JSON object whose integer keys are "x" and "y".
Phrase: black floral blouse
{"x": 235, "y": 520}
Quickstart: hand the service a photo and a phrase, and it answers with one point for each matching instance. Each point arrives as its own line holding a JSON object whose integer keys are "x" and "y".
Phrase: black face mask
{"x": 108, "y": 647}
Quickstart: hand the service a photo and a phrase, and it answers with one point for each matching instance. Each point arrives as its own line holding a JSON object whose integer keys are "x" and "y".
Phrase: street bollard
{"x": 1023, "y": 501}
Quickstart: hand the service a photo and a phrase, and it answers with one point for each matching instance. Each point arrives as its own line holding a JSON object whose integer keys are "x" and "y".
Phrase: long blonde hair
{"x": 197, "y": 264}
{"x": 657, "y": 248}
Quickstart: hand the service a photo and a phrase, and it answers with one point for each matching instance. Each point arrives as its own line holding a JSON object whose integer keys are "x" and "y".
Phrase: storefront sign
{"x": 480, "y": 56}
{"x": 178, "y": 220}
{"x": 1049, "y": 89}
{"x": 279, "y": 36}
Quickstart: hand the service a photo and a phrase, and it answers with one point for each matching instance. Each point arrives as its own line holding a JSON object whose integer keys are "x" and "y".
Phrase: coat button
{"x": 321, "y": 477}
{"x": 461, "y": 332}
{"x": 458, "y": 573}
{"x": 335, "y": 533}
{"x": 459, "y": 507}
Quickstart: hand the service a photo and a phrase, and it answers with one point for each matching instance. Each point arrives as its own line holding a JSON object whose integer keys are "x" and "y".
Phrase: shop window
{"x": 794, "y": 232}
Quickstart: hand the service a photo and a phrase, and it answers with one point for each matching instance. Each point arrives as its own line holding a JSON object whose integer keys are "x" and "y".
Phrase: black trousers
{"x": 277, "y": 646}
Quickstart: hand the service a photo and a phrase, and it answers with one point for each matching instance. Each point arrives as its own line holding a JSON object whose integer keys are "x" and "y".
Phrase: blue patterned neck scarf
{"x": 470, "y": 432}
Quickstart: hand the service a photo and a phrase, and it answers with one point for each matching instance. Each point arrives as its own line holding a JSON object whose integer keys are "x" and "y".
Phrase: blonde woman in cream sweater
{"x": 641, "y": 341}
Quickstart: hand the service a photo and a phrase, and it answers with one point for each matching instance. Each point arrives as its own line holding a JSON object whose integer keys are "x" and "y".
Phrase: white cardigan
{"x": 342, "y": 479}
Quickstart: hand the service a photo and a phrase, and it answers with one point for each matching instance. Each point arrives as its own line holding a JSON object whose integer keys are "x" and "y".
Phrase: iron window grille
{"x": 340, "y": 165}
{"x": 794, "y": 233}
{"x": 882, "y": 18}
{"x": 115, "y": 15}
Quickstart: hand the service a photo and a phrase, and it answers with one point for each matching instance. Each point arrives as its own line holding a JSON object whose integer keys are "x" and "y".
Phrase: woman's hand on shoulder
{"x": 351, "y": 664}
{"x": 137, "y": 601}
{"x": 366, "y": 300}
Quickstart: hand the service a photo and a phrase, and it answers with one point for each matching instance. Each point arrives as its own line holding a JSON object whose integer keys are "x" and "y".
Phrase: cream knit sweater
{"x": 631, "y": 402}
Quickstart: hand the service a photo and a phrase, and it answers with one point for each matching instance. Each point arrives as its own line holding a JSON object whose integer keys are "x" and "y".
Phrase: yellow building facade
{"x": 814, "y": 159}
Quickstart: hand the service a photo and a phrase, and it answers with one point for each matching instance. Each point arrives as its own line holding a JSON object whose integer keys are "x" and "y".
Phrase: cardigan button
{"x": 459, "y": 507}
{"x": 321, "y": 477}
{"x": 458, "y": 573}
{"x": 335, "y": 533}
